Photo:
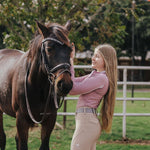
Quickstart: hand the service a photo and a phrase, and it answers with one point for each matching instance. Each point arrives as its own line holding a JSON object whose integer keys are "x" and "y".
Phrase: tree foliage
{"x": 93, "y": 21}
{"x": 139, "y": 28}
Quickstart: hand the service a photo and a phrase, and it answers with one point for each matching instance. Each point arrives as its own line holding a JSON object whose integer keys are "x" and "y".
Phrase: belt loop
{"x": 84, "y": 109}
{"x": 92, "y": 110}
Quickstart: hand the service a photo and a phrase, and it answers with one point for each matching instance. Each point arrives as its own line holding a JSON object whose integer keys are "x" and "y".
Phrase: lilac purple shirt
{"x": 91, "y": 88}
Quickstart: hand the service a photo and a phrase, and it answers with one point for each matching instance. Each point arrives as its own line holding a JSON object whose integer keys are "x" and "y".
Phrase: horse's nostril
{"x": 63, "y": 87}
{"x": 60, "y": 84}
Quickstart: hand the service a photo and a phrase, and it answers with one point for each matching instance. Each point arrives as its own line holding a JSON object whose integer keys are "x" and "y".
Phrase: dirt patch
{"x": 128, "y": 141}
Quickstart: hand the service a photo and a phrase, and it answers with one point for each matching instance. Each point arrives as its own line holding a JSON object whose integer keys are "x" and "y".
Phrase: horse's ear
{"x": 43, "y": 29}
{"x": 68, "y": 25}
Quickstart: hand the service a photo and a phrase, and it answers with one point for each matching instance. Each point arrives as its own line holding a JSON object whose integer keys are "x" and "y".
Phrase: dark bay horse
{"x": 33, "y": 83}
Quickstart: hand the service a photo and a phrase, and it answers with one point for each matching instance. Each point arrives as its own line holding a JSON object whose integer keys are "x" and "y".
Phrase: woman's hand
{"x": 73, "y": 51}
{"x": 72, "y": 54}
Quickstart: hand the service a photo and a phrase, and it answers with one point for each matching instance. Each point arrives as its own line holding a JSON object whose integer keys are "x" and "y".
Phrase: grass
{"x": 122, "y": 147}
{"x": 137, "y": 128}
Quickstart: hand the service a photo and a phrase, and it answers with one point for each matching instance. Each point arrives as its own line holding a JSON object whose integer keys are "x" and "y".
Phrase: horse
{"x": 34, "y": 83}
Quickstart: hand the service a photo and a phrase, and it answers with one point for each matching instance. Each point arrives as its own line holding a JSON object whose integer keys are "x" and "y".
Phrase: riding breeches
{"x": 87, "y": 132}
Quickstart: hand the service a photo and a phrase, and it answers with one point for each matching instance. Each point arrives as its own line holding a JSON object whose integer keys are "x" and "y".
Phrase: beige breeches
{"x": 87, "y": 132}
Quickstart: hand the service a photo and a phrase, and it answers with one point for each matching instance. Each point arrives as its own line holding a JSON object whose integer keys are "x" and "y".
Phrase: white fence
{"x": 124, "y": 98}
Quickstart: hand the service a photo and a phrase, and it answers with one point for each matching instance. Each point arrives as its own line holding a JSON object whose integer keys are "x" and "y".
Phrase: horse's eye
{"x": 49, "y": 49}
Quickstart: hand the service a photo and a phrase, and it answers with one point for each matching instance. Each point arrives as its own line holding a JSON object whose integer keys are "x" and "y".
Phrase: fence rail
{"x": 124, "y": 98}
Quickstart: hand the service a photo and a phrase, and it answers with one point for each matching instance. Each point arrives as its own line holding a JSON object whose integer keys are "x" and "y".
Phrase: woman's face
{"x": 98, "y": 61}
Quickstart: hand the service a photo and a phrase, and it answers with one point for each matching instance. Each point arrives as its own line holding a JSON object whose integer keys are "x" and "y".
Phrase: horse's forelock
{"x": 60, "y": 33}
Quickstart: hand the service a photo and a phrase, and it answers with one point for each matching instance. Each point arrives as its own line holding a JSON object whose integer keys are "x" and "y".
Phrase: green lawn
{"x": 137, "y": 128}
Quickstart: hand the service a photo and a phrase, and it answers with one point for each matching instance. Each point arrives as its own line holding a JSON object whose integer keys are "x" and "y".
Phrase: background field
{"x": 138, "y": 132}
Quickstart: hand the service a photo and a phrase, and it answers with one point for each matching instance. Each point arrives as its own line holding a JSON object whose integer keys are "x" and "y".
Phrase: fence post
{"x": 64, "y": 117}
{"x": 124, "y": 101}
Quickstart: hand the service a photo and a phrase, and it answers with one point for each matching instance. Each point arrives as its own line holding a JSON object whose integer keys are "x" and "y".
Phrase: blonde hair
{"x": 109, "y": 55}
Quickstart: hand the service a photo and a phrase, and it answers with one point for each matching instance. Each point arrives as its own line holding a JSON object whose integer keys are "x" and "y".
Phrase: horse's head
{"x": 55, "y": 53}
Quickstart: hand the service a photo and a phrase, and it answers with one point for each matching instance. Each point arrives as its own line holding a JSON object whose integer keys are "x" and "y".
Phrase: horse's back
{"x": 8, "y": 65}
{"x": 10, "y": 53}
{"x": 8, "y": 62}
{"x": 9, "y": 57}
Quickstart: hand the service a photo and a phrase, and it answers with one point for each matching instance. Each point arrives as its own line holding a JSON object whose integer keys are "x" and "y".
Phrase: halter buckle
{"x": 51, "y": 78}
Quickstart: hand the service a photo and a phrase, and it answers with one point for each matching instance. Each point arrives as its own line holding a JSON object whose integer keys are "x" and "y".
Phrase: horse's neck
{"x": 35, "y": 71}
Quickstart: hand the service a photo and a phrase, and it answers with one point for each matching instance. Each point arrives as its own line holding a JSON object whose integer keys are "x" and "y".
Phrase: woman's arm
{"x": 89, "y": 84}
{"x": 77, "y": 79}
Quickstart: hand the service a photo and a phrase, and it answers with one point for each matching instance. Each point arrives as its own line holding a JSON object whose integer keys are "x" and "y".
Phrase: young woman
{"x": 99, "y": 86}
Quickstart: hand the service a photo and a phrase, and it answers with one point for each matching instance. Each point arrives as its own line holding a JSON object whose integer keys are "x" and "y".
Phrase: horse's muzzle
{"x": 63, "y": 87}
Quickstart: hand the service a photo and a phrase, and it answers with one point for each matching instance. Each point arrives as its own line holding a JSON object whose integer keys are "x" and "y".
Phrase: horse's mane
{"x": 56, "y": 31}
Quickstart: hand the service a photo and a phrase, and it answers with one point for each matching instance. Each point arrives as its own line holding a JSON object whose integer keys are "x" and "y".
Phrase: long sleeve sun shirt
{"x": 91, "y": 88}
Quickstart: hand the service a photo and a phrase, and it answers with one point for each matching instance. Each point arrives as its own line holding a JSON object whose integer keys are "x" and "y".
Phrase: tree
{"x": 141, "y": 30}
{"x": 94, "y": 21}
{"x": 2, "y": 28}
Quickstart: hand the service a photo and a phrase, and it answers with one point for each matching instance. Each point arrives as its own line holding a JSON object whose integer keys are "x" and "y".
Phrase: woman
{"x": 99, "y": 85}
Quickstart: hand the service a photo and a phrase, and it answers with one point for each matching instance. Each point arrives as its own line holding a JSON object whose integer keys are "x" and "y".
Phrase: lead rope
{"x": 27, "y": 101}
{"x": 55, "y": 100}
{"x": 55, "y": 94}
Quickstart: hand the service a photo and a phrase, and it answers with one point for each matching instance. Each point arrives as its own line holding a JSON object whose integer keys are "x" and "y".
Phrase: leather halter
{"x": 51, "y": 77}
{"x": 50, "y": 72}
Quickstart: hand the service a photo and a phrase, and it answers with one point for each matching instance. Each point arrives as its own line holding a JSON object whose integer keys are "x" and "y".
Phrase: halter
{"x": 49, "y": 71}
{"x": 51, "y": 77}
